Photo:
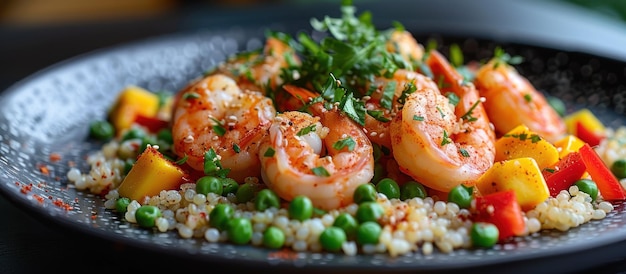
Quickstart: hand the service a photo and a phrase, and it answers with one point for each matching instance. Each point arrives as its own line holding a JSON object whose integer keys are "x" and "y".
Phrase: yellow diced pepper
{"x": 522, "y": 142}
{"x": 150, "y": 174}
{"x": 587, "y": 119}
{"x": 521, "y": 175}
{"x": 131, "y": 102}
{"x": 568, "y": 144}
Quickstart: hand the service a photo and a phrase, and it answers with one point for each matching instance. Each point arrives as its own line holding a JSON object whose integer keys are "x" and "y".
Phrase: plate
{"x": 44, "y": 118}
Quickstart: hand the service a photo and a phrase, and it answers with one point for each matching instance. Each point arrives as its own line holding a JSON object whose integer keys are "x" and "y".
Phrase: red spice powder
{"x": 54, "y": 157}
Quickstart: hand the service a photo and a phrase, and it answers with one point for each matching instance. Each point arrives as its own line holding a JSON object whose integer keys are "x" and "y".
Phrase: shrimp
{"x": 325, "y": 157}
{"x": 214, "y": 112}
{"x": 437, "y": 143}
{"x": 261, "y": 71}
{"x": 512, "y": 100}
{"x": 404, "y": 43}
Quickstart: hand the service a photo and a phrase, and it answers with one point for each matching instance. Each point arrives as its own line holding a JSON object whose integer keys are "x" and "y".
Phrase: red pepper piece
{"x": 564, "y": 173}
{"x": 588, "y": 136}
{"x": 608, "y": 184}
{"x": 153, "y": 124}
{"x": 502, "y": 210}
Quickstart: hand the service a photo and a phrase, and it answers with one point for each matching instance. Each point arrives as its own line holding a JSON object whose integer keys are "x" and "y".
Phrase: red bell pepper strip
{"x": 153, "y": 124}
{"x": 564, "y": 173}
{"x": 608, "y": 185}
{"x": 588, "y": 136}
{"x": 501, "y": 209}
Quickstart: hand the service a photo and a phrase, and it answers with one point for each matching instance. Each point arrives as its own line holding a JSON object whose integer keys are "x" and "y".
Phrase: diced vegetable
{"x": 564, "y": 173}
{"x": 153, "y": 124}
{"x": 150, "y": 174}
{"x": 586, "y": 126}
{"x": 522, "y": 142}
{"x": 608, "y": 185}
{"x": 502, "y": 210}
{"x": 568, "y": 144}
{"x": 131, "y": 102}
{"x": 521, "y": 175}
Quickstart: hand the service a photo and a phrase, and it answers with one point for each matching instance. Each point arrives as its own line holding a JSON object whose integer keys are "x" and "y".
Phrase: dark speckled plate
{"x": 48, "y": 114}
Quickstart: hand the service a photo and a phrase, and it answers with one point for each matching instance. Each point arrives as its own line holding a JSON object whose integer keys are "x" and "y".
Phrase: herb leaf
{"x": 347, "y": 142}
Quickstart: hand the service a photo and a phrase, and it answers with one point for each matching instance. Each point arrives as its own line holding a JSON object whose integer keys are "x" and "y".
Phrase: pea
{"x": 368, "y": 233}
{"x": 484, "y": 234}
{"x": 364, "y": 193}
{"x": 165, "y": 135}
{"x": 229, "y": 186}
{"x": 332, "y": 238}
{"x": 300, "y": 208}
{"x": 101, "y": 130}
{"x": 557, "y": 104}
{"x": 265, "y": 199}
{"x": 239, "y": 230}
{"x": 128, "y": 165}
{"x": 412, "y": 189}
{"x": 379, "y": 173}
{"x": 121, "y": 205}
{"x": 346, "y": 222}
{"x": 619, "y": 168}
{"x": 133, "y": 133}
{"x": 589, "y": 187}
{"x": 245, "y": 192}
{"x": 209, "y": 184}
{"x": 273, "y": 237}
{"x": 369, "y": 211}
{"x": 461, "y": 195}
{"x": 220, "y": 215}
{"x": 146, "y": 215}
{"x": 389, "y": 187}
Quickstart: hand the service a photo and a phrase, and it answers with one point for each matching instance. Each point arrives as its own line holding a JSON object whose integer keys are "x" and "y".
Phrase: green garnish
{"x": 418, "y": 118}
{"x": 320, "y": 171}
{"x": 190, "y": 95}
{"x": 464, "y": 152}
{"x": 269, "y": 152}
{"x": 236, "y": 148}
{"x": 218, "y": 127}
{"x": 527, "y": 98}
{"x": 378, "y": 115}
{"x": 446, "y": 139}
{"x": 502, "y": 57}
{"x": 347, "y": 142}
{"x": 213, "y": 166}
{"x": 182, "y": 160}
{"x": 306, "y": 130}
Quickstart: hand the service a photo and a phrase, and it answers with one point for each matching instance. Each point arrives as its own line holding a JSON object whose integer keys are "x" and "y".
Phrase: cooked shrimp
{"x": 404, "y": 43}
{"x": 512, "y": 100}
{"x": 437, "y": 143}
{"x": 377, "y": 129}
{"x": 303, "y": 155}
{"x": 215, "y": 113}
{"x": 261, "y": 71}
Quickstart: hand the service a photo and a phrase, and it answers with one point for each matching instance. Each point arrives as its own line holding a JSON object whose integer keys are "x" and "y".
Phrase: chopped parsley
{"x": 213, "y": 166}
{"x": 306, "y": 130}
{"x": 446, "y": 139}
{"x": 418, "y": 118}
{"x": 468, "y": 115}
{"x": 453, "y": 98}
{"x": 347, "y": 142}
{"x": 190, "y": 95}
{"x": 320, "y": 171}
{"x": 183, "y": 160}
{"x": 236, "y": 148}
{"x": 218, "y": 127}
{"x": 527, "y": 98}
{"x": 525, "y": 136}
{"x": 501, "y": 57}
{"x": 464, "y": 152}
{"x": 378, "y": 115}
{"x": 269, "y": 152}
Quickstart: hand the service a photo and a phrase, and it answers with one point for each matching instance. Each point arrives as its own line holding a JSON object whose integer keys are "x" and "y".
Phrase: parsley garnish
{"x": 347, "y": 142}
{"x": 388, "y": 91}
{"x": 236, "y": 148}
{"x": 378, "y": 115}
{"x": 182, "y": 160}
{"x": 468, "y": 115}
{"x": 190, "y": 95}
{"x": 551, "y": 170}
{"x": 453, "y": 98}
{"x": 446, "y": 139}
{"x": 527, "y": 98}
{"x": 418, "y": 118}
{"x": 464, "y": 152}
{"x": 456, "y": 55}
{"x": 524, "y": 136}
{"x": 306, "y": 130}
{"x": 218, "y": 127}
{"x": 269, "y": 152}
{"x": 320, "y": 171}
{"x": 502, "y": 57}
{"x": 408, "y": 89}
{"x": 213, "y": 166}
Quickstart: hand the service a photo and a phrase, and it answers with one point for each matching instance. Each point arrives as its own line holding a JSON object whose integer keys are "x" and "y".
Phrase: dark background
{"x": 35, "y": 34}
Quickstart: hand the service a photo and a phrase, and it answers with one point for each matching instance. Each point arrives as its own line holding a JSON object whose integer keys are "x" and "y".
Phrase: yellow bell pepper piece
{"x": 521, "y": 175}
{"x": 131, "y": 102}
{"x": 522, "y": 142}
{"x": 586, "y": 118}
{"x": 150, "y": 174}
{"x": 568, "y": 144}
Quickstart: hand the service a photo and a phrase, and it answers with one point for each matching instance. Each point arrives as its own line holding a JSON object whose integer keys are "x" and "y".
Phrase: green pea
{"x": 389, "y": 187}
{"x": 300, "y": 208}
{"x": 165, "y": 135}
{"x": 368, "y": 233}
{"x": 346, "y": 222}
{"x": 101, "y": 130}
{"x": 365, "y": 193}
{"x": 209, "y": 184}
{"x": 557, "y": 104}
{"x": 369, "y": 211}
{"x": 246, "y": 192}
{"x": 146, "y": 215}
{"x": 461, "y": 195}
{"x": 412, "y": 189}
{"x": 484, "y": 234}
{"x": 588, "y": 186}
{"x": 332, "y": 238}
{"x": 121, "y": 205}
{"x": 134, "y": 133}
{"x": 265, "y": 199}
{"x": 379, "y": 173}
{"x": 273, "y": 237}
{"x": 239, "y": 230}
{"x": 220, "y": 215}
{"x": 619, "y": 168}
{"x": 229, "y": 186}
{"x": 128, "y": 165}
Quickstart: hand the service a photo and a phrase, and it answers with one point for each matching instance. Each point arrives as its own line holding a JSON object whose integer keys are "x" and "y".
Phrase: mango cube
{"x": 131, "y": 102}
{"x": 522, "y": 142}
{"x": 521, "y": 175}
{"x": 150, "y": 174}
{"x": 568, "y": 144}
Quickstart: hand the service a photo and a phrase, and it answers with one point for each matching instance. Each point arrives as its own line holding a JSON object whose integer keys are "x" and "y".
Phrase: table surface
{"x": 30, "y": 246}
